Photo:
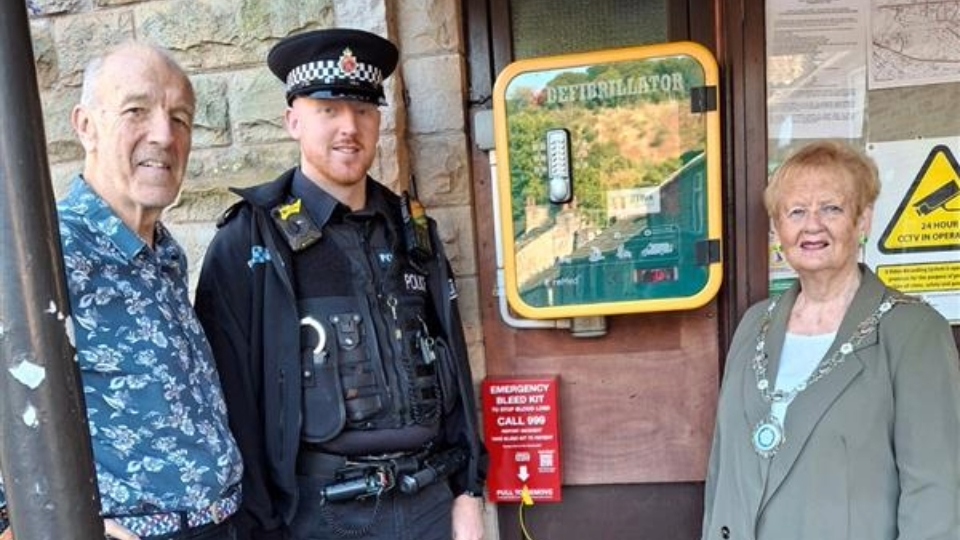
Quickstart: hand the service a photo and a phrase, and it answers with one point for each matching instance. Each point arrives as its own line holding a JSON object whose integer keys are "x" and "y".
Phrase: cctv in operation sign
{"x": 522, "y": 434}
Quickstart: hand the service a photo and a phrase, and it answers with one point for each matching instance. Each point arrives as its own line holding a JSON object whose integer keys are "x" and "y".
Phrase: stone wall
{"x": 239, "y": 138}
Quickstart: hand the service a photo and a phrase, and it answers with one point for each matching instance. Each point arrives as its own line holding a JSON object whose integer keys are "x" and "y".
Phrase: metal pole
{"x": 45, "y": 452}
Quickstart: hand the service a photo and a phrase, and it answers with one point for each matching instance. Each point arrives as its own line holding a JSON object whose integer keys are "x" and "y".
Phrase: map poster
{"x": 914, "y": 42}
{"x": 914, "y": 242}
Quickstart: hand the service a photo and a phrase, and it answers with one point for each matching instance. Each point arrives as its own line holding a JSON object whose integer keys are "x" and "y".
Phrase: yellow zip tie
{"x": 289, "y": 209}
{"x": 525, "y": 496}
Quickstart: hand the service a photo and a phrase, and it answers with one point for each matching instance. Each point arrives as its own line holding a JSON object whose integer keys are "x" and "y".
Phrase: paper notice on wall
{"x": 816, "y": 68}
{"x": 914, "y": 42}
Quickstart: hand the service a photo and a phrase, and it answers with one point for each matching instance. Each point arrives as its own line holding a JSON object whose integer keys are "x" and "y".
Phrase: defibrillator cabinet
{"x": 608, "y": 181}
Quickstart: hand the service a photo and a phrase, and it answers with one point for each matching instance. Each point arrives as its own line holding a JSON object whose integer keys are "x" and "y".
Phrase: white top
{"x": 800, "y": 356}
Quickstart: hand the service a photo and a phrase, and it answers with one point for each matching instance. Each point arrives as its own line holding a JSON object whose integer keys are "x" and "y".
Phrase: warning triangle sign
{"x": 928, "y": 218}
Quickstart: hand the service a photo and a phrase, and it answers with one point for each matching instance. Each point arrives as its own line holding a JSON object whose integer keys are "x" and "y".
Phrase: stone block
{"x": 455, "y": 225}
{"x": 194, "y": 239}
{"x": 369, "y": 15}
{"x": 435, "y": 86}
{"x": 44, "y": 53}
{"x": 441, "y": 165}
{"x": 257, "y": 105}
{"x": 62, "y": 142}
{"x": 211, "y": 121}
{"x": 220, "y": 34}
{"x": 53, "y": 7}
{"x": 240, "y": 166}
{"x": 478, "y": 370}
{"x": 61, "y": 174}
{"x": 394, "y": 114}
{"x": 429, "y": 28}
{"x": 110, "y": 3}
{"x": 200, "y": 205}
{"x": 391, "y": 167}
{"x": 469, "y": 308}
{"x": 80, "y": 38}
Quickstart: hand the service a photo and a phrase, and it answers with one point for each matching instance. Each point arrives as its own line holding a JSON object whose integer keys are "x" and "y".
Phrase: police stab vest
{"x": 373, "y": 356}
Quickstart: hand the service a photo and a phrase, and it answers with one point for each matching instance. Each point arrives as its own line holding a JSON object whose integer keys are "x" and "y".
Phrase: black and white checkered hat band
{"x": 328, "y": 71}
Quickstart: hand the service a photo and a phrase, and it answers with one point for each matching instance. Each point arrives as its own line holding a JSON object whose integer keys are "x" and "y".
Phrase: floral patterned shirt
{"x": 156, "y": 413}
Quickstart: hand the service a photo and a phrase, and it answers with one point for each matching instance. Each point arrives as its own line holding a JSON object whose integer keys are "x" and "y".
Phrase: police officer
{"x": 333, "y": 316}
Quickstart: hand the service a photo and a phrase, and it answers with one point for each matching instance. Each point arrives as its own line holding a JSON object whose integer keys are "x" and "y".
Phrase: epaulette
{"x": 229, "y": 213}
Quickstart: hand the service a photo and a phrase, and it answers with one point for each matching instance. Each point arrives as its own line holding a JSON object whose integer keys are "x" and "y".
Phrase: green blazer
{"x": 871, "y": 451}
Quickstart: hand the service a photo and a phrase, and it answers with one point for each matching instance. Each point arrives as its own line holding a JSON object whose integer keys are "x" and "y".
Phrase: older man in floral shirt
{"x": 167, "y": 465}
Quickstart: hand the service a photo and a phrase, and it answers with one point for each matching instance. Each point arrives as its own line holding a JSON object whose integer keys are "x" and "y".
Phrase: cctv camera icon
{"x": 938, "y": 198}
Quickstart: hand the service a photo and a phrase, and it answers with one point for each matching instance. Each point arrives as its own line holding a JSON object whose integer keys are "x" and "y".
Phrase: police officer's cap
{"x": 337, "y": 63}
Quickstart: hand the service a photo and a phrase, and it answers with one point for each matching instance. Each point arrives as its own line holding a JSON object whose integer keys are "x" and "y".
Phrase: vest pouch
{"x": 418, "y": 357}
{"x": 447, "y": 372}
{"x": 323, "y": 411}
{"x": 363, "y": 392}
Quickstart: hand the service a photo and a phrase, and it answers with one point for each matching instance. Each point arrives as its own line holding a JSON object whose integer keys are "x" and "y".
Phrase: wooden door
{"x": 637, "y": 405}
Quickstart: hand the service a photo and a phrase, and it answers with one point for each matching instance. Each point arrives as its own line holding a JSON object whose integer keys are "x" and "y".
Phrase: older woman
{"x": 839, "y": 413}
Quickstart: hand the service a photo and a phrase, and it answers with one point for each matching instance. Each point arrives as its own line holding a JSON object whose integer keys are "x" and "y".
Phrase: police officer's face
{"x": 338, "y": 139}
{"x": 137, "y": 134}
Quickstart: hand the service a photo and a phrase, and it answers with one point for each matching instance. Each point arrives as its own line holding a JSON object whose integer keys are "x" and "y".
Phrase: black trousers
{"x": 396, "y": 516}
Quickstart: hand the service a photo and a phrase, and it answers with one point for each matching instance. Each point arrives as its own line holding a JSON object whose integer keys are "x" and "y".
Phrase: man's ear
{"x": 85, "y": 127}
{"x": 291, "y": 119}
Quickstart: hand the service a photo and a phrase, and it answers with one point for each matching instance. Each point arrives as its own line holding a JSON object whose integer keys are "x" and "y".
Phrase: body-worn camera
{"x": 297, "y": 228}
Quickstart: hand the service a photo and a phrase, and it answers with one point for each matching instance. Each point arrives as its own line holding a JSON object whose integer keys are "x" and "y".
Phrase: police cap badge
{"x": 337, "y": 63}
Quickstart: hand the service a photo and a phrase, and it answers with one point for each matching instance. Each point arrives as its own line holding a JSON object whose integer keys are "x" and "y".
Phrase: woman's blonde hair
{"x": 852, "y": 166}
